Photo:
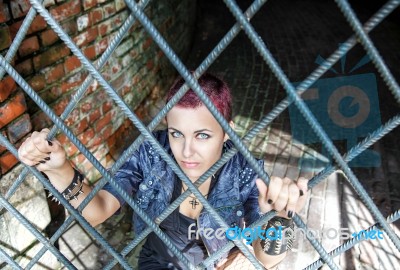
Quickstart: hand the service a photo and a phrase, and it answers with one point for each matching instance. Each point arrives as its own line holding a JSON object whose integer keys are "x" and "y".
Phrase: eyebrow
{"x": 197, "y": 131}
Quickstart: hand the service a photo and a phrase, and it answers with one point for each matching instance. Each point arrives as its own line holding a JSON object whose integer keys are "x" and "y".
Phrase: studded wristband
{"x": 75, "y": 188}
{"x": 279, "y": 236}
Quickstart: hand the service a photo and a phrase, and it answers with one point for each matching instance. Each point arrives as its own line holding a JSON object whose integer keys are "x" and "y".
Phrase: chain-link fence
{"x": 293, "y": 97}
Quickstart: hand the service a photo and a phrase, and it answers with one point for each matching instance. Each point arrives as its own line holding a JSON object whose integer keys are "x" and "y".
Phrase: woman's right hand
{"x": 46, "y": 155}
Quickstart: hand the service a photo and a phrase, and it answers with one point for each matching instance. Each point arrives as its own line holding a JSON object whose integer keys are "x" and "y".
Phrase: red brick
{"x": 105, "y": 27}
{"x": 38, "y": 24}
{"x": 29, "y": 46}
{"x": 103, "y": 121}
{"x": 90, "y": 52}
{"x": 19, "y": 8}
{"x": 119, "y": 82}
{"x": 71, "y": 149}
{"x": 7, "y": 162}
{"x": 86, "y": 37}
{"x": 94, "y": 115}
{"x": 85, "y": 107}
{"x": 107, "y": 106}
{"x": 87, "y": 4}
{"x": 106, "y": 132}
{"x": 50, "y": 56}
{"x": 101, "y": 46}
{"x": 66, "y": 10}
{"x": 86, "y": 136}
{"x": 62, "y": 138}
{"x": 78, "y": 159}
{"x": 12, "y": 109}
{"x": 73, "y": 118}
{"x": 7, "y": 86}
{"x": 4, "y": 12}
{"x": 72, "y": 82}
{"x": 60, "y": 105}
{"x": 147, "y": 43}
{"x": 48, "y": 37}
{"x": 19, "y": 128}
{"x": 5, "y": 38}
{"x": 72, "y": 63}
{"x": 25, "y": 68}
{"x": 97, "y": 140}
{"x": 37, "y": 82}
{"x": 54, "y": 73}
{"x": 96, "y": 15}
{"x": 109, "y": 10}
{"x": 81, "y": 126}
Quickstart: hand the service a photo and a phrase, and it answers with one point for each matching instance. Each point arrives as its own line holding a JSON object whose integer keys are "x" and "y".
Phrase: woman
{"x": 196, "y": 141}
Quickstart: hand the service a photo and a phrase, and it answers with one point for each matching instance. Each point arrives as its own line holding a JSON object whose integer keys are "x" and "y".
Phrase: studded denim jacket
{"x": 148, "y": 178}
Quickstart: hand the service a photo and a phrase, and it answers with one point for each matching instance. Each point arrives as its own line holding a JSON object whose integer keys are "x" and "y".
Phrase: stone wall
{"x": 138, "y": 71}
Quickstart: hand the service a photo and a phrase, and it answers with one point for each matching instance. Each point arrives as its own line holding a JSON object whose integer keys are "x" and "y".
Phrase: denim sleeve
{"x": 251, "y": 207}
{"x": 128, "y": 177}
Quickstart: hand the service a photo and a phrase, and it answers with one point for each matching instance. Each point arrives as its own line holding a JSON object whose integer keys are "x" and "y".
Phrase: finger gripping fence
{"x": 294, "y": 98}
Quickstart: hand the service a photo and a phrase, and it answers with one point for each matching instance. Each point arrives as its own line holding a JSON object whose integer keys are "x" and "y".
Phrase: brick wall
{"x": 138, "y": 71}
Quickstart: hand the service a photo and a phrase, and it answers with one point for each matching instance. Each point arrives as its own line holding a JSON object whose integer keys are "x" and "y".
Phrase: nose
{"x": 187, "y": 148}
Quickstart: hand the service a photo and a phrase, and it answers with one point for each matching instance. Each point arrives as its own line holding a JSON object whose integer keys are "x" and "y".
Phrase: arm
{"x": 49, "y": 157}
{"x": 284, "y": 196}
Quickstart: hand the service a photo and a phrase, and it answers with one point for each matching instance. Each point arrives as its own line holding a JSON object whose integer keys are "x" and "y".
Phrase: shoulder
{"x": 240, "y": 169}
{"x": 161, "y": 137}
{"x": 238, "y": 159}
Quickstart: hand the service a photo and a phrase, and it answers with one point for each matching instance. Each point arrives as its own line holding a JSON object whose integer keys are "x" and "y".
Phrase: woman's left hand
{"x": 284, "y": 195}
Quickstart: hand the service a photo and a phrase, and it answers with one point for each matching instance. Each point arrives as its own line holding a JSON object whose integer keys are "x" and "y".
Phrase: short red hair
{"x": 216, "y": 89}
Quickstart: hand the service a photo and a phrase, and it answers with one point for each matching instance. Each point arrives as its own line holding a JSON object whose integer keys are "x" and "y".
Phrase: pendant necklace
{"x": 193, "y": 200}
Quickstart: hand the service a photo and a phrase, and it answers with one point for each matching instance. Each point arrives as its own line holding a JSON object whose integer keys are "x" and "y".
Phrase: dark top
{"x": 156, "y": 255}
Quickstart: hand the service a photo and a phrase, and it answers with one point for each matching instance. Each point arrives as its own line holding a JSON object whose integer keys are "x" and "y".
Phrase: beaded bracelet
{"x": 278, "y": 245}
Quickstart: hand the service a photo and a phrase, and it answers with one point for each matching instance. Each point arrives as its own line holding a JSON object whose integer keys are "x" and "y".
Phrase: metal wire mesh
{"x": 243, "y": 23}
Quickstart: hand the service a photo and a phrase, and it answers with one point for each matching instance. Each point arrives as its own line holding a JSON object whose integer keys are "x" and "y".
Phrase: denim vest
{"x": 148, "y": 178}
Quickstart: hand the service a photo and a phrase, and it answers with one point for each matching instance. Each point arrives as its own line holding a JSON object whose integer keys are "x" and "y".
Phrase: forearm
{"x": 102, "y": 205}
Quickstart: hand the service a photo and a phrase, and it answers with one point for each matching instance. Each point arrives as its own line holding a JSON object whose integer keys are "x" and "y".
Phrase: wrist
{"x": 62, "y": 177}
{"x": 279, "y": 236}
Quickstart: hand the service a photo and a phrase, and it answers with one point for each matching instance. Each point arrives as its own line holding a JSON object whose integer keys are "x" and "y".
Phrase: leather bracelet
{"x": 75, "y": 188}
{"x": 274, "y": 243}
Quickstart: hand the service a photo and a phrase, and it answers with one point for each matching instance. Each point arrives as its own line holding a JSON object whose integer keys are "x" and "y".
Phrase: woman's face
{"x": 196, "y": 139}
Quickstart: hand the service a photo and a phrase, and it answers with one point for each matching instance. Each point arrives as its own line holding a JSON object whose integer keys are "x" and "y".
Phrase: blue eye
{"x": 176, "y": 134}
{"x": 203, "y": 136}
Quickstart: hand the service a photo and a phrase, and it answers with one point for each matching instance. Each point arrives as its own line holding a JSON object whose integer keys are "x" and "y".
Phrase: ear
{"x": 232, "y": 125}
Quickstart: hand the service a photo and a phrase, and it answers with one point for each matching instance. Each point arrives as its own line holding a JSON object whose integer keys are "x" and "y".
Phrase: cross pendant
{"x": 194, "y": 202}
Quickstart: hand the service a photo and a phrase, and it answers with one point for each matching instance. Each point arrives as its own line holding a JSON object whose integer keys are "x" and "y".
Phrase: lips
{"x": 189, "y": 165}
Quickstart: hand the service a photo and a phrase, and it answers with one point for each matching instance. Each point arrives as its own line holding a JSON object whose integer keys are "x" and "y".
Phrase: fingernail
{"x": 47, "y": 158}
{"x": 269, "y": 201}
{"x": 301, "y": 193}
{"x": 42, "y": 161}
{"x": 290, "y": 214}
{"x": 50, "y": 143}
